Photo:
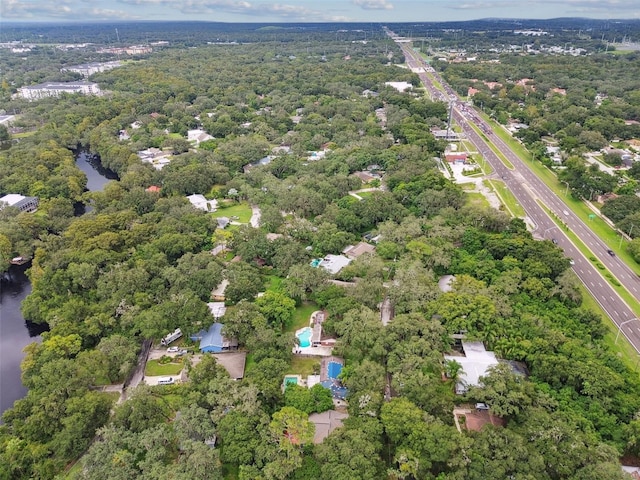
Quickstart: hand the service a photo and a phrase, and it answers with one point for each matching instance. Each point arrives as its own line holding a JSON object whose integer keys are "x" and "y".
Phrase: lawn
{"x": 477, "y": 199}
{"x": 240, "y": 210}
{"x": 507, "y": 198}
{"x": 154, "y": 368}
{"x": 273, "y": 283}
{"x": 302, "y": 316}
{"x": 304, "y": 366}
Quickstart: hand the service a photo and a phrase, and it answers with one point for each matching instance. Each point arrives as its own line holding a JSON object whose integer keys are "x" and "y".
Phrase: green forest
{"x": 139, "y": 265}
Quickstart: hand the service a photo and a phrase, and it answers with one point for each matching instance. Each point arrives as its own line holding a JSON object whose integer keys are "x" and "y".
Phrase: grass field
{"x": 304, "y": 366}
{"x": 507, "y": 198}
{"x": 301, "y": 316}
{"x": 154, "y": 368}
{"x": 477, "y": 199}
{"x": 240, "y": 210}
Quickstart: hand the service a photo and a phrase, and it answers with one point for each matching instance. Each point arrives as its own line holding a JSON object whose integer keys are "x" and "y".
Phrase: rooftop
{"x": 475, "y": 364}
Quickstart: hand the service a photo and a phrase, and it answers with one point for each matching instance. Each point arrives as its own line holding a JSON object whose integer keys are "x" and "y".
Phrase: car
{"x": 572, "y": 261}
{"x": 482, "y": 406}
{"x": 611, "y": 252}
{"x": 173, "y": 350}
{"x": 554, "y": 241}
{"x": 184, "y": 351}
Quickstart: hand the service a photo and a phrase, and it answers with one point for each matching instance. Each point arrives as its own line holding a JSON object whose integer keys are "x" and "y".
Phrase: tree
{"x": 277, "y": 308}
{"x": 316, "y": 399}
{"x": 507, "y": 393}
{"x": 349, "y": 454}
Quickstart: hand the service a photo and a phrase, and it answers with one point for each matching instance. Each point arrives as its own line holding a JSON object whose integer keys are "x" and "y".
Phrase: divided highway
{"x": 530, "y": 192}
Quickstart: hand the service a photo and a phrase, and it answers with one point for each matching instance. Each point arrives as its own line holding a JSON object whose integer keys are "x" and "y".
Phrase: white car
{"x": 173, "y": 350}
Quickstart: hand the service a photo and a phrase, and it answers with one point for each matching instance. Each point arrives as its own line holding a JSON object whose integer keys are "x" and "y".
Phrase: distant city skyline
{"x": 260, "y": 11}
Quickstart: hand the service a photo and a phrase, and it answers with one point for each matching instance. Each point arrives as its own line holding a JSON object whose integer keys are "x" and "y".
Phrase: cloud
{"x": 282, "y": 11}
{"x": 560, "y": 7}
{"x": 60, "y": 10}
{"x": 373, "y": 4}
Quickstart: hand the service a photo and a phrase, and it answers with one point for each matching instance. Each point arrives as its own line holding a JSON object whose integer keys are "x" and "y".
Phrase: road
{"x": 530, "y": 191}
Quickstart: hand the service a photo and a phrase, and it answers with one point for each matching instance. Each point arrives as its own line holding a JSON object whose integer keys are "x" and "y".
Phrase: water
{"x": 15, "y": 332}
{"x": 97, "y": 175}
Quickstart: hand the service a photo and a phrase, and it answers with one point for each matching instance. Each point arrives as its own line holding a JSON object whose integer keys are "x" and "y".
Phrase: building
{"x": 355, "y": 251}
{"x": 55, "y": 89}
{"x": 88, "y": 69}
{"x": 476, "y": 363}
{"x": 332, "y": 263}
{"x": 458, "y": 158}
{"x": 201, "y": 203}
{"x": 213, "y": 341}
{"x": 326, "y": 422}
{"x": 22, "y": 203}
{"x": 197, "y": 136}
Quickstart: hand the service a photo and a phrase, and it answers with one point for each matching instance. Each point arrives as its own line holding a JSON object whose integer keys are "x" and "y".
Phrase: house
{"x": 472, "y": 91}
{"x": 476, "y": 363}
{"x": 213, "y": 341}
{"x": 333, "y": 263}
{"x": 153, "y": 189}
{"x": 198, "y": 136}
{"x": 154, "y": 156}
{"x": 355, "y": 251}
{"x": 218, "y": 293}
{"x": 22, "y": 203}
{"x": 366, "y": 177}
{"x": 326, "y": 422}
{"x": 201, "y": 203}
{"x": 233, "y": 363}
{"x": 55, "y": 89}
{"x": 223, "y": 222}
{"x": 330, "y": 369}
{"x": 457, "y": 158}
{"x": 217, "y": 309}
{"x": 400, "y": 86}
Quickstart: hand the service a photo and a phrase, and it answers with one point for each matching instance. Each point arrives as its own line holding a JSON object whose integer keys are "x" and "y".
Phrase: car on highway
{"x": 572, "y": 261}
{"x": 554, "y": 241}
{"x": 611, "y": 252}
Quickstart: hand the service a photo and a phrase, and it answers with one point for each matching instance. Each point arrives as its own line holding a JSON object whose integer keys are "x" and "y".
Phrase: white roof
{"x": 200, "y": 202}
{"x": 334, "y": 263}
{"x": 475, "y": 364}
{"x": 217, "y": 309}
{"x": 400, "y": 86}
{"x": 12, "y": 198}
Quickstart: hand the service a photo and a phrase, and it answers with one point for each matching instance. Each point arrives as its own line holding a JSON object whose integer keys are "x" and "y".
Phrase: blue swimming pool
{"x": 334, "y": 369}
{"x": 304, "y": 336}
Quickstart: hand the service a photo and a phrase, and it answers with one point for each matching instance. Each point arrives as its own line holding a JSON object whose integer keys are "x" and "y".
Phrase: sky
{"x": 263, "y": 11}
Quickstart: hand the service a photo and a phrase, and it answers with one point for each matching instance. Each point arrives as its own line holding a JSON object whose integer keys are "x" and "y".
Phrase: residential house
{"x": 355, "y": 251}
{"x": 201, "y": 203}
{"x": 212, "y": 340}
{"x": 458, "y": 158}
{"x": 198, "y": 136}
{"x": 475, "y": 363}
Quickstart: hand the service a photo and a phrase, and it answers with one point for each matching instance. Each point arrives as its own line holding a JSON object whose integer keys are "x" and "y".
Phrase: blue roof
{"x": 211, "y": 340}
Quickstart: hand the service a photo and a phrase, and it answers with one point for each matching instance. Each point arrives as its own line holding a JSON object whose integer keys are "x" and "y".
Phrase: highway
{"x": 531, "y": 192}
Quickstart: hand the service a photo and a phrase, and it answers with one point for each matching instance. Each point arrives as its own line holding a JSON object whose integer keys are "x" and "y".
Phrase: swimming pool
{"x": 304, "y": 336}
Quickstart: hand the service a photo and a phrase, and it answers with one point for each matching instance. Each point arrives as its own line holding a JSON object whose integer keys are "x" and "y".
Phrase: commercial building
{"x": 55, "y": 89}
{"x": 24, "y": 204}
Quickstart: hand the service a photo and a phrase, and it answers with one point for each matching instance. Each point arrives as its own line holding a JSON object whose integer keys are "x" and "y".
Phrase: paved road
{"x": 529, "y": 190}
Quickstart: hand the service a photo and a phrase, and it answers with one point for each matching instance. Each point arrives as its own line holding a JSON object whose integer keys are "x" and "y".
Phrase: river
{"x": 15, "y": 332}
